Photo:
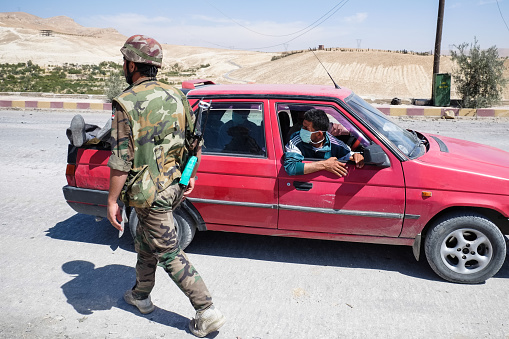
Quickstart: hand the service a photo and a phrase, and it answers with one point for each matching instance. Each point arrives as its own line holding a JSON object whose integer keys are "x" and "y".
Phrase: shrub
{"x": 478, "y": 75}
{"x": 115, "y": 84}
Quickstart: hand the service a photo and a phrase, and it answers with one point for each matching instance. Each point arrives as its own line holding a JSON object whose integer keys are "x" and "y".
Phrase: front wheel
{"x": 184, "y": 226}
{"x": 465, "y": 248}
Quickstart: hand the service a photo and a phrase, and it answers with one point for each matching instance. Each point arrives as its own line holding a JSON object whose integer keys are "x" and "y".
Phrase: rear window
{"x": 234, "y": 128}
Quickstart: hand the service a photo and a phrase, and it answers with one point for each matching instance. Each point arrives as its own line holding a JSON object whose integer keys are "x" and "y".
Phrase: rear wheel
{"x": 465, "y": 248}
{"x": 184, "y": 226}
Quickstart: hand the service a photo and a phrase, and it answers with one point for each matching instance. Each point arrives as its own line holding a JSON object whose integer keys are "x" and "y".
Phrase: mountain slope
{"x": 376, "y": 74}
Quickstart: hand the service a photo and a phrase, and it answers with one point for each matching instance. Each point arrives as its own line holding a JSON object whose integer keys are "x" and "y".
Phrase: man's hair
{"x": 318, "y": 118}
{"x": 146, "y": 69}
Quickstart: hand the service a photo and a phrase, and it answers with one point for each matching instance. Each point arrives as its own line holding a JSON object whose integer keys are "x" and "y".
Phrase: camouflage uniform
{"x": 148, "y": 134}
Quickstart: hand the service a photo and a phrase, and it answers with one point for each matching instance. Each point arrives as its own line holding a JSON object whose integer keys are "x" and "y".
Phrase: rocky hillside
{"x": 374, "y": 74}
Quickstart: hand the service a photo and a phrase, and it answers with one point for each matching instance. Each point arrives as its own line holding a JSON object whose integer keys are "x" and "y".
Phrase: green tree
{"x": 478, "y": 75}
{"x": 115, "y": 84}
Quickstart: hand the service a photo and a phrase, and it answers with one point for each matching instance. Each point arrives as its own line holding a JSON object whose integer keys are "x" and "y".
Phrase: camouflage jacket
{"x": 157, "y": 116}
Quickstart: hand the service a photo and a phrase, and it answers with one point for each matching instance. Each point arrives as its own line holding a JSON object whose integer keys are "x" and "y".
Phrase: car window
{"x": 234, "y": 128}
{"x": 341, "y": 128}
{"x": 406, "y": 141}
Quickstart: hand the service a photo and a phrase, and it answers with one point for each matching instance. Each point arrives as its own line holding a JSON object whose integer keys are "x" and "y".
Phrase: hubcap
{"x": 466, "y": 251}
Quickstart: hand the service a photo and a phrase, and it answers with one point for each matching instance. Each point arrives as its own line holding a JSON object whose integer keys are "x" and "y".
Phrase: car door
{"x": 236, "y": 179}
{"x": 368, "y": 201}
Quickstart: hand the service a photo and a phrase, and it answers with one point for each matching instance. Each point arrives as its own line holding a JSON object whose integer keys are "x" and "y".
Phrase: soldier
{"x": 148, "y": 154}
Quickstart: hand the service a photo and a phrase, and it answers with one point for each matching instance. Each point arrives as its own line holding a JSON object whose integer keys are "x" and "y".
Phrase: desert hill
{"x": 374, "y": 74}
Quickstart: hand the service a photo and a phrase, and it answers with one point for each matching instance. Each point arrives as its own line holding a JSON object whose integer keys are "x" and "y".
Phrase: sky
{"x": 286, "y": 25}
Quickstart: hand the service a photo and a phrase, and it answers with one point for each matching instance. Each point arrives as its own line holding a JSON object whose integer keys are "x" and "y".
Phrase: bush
{"x": 479, "y": 75}
{"x": 115, "y": 84}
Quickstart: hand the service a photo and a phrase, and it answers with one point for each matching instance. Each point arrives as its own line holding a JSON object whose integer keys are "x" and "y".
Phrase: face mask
{"x": 305, "y": 135}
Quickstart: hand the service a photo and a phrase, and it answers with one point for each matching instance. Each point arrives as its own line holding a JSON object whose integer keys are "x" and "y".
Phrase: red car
{"x": 445, "y": 196}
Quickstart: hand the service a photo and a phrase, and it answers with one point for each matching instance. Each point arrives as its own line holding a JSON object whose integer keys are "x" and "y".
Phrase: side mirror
{"x": 375, "y": 155}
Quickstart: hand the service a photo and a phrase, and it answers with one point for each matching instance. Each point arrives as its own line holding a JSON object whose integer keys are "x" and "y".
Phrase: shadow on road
{"x": 84, "y": 228}
{"x": 318, "y": 252}
{"x": 94, "y": 289}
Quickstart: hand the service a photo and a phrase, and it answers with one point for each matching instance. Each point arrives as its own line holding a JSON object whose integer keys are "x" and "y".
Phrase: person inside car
{"x": 298, "y": 117}
{"x": 240, "y": 129}
{"x": 313, "y": 141}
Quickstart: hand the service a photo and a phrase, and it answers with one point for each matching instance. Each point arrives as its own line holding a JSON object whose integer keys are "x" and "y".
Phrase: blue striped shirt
{"x": 296, "y": 151}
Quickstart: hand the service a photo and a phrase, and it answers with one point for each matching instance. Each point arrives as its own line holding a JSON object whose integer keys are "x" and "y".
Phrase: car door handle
{"x": 302, "y": 186}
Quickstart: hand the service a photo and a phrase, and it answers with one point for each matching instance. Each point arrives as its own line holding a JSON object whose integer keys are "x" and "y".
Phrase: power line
{"x": 308, "y": 29}
{"x": 272, "y": 35}
{"x": 502, "y": 16}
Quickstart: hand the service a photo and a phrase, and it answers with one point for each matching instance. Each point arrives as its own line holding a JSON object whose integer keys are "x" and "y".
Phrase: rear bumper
{"x": 86, "y": 201}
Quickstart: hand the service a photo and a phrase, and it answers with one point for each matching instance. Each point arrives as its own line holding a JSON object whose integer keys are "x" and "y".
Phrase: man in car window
{"x": 313, "y": 141}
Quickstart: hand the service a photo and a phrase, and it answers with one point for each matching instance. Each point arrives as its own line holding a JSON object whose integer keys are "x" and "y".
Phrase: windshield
{"x": 406, "y": 141}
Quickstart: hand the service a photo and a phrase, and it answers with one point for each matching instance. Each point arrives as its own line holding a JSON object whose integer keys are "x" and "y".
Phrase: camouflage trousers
{"x": 156, "y": 242}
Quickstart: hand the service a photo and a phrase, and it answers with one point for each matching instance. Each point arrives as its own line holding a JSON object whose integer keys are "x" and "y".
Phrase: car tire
{"x": 184, "y": 225}
{"x": 186, "y": 228}
{"x": 465, "y": 248}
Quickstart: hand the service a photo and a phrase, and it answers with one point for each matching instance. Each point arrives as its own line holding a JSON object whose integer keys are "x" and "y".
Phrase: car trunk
{"x": 87, "y": 167}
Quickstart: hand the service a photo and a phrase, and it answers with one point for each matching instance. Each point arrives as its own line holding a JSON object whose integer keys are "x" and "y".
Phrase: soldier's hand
{"x": 190, "y": 187}
{"x": 114, "y": 215}
{"x": 334, "y": 166}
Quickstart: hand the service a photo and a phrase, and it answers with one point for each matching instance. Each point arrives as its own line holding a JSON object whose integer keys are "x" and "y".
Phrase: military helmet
{"x": 143, "y": 49}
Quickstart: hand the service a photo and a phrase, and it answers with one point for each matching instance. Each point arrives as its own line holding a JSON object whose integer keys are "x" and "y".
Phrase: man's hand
{"x": 334, "y": 166}
{"x": 114, "y": 215}
{"x": 337, "y": 130}
{"x": 358, "y": 159}
{"x": 190, "y": 186}
{"x": 117, "y": 180}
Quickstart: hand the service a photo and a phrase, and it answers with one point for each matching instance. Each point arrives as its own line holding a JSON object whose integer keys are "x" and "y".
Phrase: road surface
{"x": 62, "y": 275}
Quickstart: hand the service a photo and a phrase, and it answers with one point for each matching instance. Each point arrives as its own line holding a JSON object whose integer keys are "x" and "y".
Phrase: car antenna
{"x": 335, "y": 85}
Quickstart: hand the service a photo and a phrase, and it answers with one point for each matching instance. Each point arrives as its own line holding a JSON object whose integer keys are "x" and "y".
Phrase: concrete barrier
{"x": 427, "y": 111}
{"x": 390, "y": 110}
{"x": 67, "y": 105}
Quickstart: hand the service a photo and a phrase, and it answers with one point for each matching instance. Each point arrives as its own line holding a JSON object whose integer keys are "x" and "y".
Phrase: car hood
{"x": 466, "y": 150}
{"x": 465, "y": 166}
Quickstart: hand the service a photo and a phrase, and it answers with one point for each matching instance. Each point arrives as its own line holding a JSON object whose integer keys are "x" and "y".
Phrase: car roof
{"x": 270, "y": 90}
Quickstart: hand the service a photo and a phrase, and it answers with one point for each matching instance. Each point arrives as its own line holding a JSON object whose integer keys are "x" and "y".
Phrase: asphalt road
{"x": 62, "y": 275}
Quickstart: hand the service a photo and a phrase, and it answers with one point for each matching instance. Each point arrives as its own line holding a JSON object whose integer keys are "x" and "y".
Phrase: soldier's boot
{"x": 145, "y": 305}
{"x": 78, "y": 130}
{"x": 207, "y": 321}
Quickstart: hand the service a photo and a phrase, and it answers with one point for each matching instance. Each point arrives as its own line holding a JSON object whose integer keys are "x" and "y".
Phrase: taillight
{"x": 70, "y": 174}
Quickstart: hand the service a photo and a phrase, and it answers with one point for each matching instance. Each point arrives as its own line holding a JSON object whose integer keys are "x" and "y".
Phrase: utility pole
{"x": 438, "y": 39}
{"x": 438, "y": 42}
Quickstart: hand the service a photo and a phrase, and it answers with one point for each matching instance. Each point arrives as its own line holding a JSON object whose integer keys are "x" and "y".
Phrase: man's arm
{"x": 120, "y": 162}
{"x": 117, "y": 180}
{"x": 294, "y": 166}
{"x": 330, "y": 165}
